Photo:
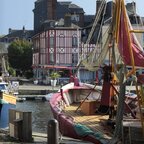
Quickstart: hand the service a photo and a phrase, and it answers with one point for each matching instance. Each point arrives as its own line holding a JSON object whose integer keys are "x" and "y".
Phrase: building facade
{"x": 57, "y": 40}
{"x": 57, "y": 49}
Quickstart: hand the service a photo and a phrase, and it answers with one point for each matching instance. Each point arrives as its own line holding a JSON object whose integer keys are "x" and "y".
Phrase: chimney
{"x": 67, "y": 20}
{"x": 10, "y": 30}
{"x": 23, "y": 29}
{"x": 131, "y": 7}
{"x": 51, "y": 9}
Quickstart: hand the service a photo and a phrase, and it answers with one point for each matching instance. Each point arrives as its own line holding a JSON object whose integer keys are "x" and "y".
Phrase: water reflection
{"x": 41, "y": 114}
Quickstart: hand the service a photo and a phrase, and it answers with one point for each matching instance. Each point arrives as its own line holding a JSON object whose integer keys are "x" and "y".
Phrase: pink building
{"x": 57, "y": 49}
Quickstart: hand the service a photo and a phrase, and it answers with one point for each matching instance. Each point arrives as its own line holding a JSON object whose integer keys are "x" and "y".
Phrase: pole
{"x": 78, "y": 73}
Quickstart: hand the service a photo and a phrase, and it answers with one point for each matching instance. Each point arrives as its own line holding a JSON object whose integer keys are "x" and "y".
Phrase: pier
{"x": 31, "y": 89}
{"x": 37, "y": 92}
{"x": 38, "y": 138}
{"x": 34, "y": 92}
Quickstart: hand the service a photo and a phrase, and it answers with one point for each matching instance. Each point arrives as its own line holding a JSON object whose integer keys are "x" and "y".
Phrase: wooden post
{"x": 53, "y": 132}
{"x": 20, "y": 123}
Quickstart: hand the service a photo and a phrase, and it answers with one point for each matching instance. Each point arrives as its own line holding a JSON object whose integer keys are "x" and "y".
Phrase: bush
{"x": 12, "y": 71}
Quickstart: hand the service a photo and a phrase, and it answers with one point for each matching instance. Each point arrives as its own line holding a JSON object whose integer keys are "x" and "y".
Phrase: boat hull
{"x": 4, "y": 115}
{"x": 65, "y": 106}
{"x": 8, "y": 101}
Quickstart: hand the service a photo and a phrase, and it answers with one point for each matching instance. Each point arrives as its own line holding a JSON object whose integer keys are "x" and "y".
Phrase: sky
{"x": 18, "y": 13}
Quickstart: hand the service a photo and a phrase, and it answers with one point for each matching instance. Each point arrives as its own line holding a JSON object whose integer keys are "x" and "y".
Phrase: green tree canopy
{"x": 20, "y": 55}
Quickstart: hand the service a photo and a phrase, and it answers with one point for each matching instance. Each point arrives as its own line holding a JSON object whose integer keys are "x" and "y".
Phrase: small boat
{"x": 7, "y": 101}
{"x": 47, "y": 97}
{"x": 72, "y": 122}
{"x": 77, "y": 110}
{"x": 102, "y": 114}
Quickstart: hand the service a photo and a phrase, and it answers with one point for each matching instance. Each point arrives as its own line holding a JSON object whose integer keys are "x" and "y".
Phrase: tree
{"x": 20, "y": 55}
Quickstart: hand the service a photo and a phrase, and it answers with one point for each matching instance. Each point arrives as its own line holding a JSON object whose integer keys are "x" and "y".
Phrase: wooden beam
{"x": 137, "y": 31}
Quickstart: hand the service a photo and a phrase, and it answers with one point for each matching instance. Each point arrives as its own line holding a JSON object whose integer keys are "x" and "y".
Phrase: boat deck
{"x": 96, "y": 122}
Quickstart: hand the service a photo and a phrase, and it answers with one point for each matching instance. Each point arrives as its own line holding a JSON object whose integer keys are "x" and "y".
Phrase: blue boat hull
{"x": 4, "y": 114}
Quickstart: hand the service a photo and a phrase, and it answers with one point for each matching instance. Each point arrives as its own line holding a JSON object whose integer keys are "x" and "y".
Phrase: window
{"x": 75, "y": 18}
{"x": 61, "y": 43}
{"x": 74, "y": 58}
{"x": 51, "y": 58}
{"x": 74, "y": 41}
{"x": 51, "y": 50}
{"x": 51, "y": 41}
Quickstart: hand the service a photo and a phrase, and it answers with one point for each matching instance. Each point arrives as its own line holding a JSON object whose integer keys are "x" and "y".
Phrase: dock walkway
{"x": 38, "y": 138}
{"x": 31, "y": 89}
{"x": 35, "y": 91}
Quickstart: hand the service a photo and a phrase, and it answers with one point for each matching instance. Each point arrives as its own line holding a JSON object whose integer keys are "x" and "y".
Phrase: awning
{"x": 54, "y": 67}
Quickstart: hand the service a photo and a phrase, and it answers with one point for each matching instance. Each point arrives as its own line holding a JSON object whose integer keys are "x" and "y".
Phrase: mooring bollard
{"x": 53, "y": 132}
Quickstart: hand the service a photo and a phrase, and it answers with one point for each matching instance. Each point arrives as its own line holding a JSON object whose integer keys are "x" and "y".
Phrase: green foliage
{"x": 54, "y": 75}
{"x": 20, "y": 55}
{"x": 11, "y": 71}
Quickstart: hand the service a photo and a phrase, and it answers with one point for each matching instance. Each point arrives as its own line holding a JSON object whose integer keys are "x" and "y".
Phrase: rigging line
{"x": 100, "y": 30}
{"x": 101, "y": 23}
{"x": 94, "y": 25}
{"x": 118, "y": 11}
{"x": 86, "y": 97}
{"x": 98, "y": 15}
{"x": 141, "y": 22}
{"x": 102, "y": 55}
{"x": 92, "y": 31}
{"x": 104, "y": 35}
{"x": 99, "y": 34}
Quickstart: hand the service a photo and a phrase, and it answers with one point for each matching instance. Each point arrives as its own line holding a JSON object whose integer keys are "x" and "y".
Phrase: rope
{"x": 86, "y": 97}
{"x": 98, "y": 16}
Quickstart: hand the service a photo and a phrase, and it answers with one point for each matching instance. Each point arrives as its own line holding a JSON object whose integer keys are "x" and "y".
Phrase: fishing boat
{"x": 8, "y": 92}
{"x": 102, "y": 114}
{"x": 7, "y": 101}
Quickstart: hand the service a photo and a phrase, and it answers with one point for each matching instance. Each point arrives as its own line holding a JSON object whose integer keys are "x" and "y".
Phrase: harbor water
{"x": 41, "y": 113}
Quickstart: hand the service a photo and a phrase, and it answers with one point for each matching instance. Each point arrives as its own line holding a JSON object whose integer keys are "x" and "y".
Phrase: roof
{"x": 89, "y": 18}
{"x": 38, "y": 1}
{"x": 19, "y": 34}
{"x": 72, "y": 8}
